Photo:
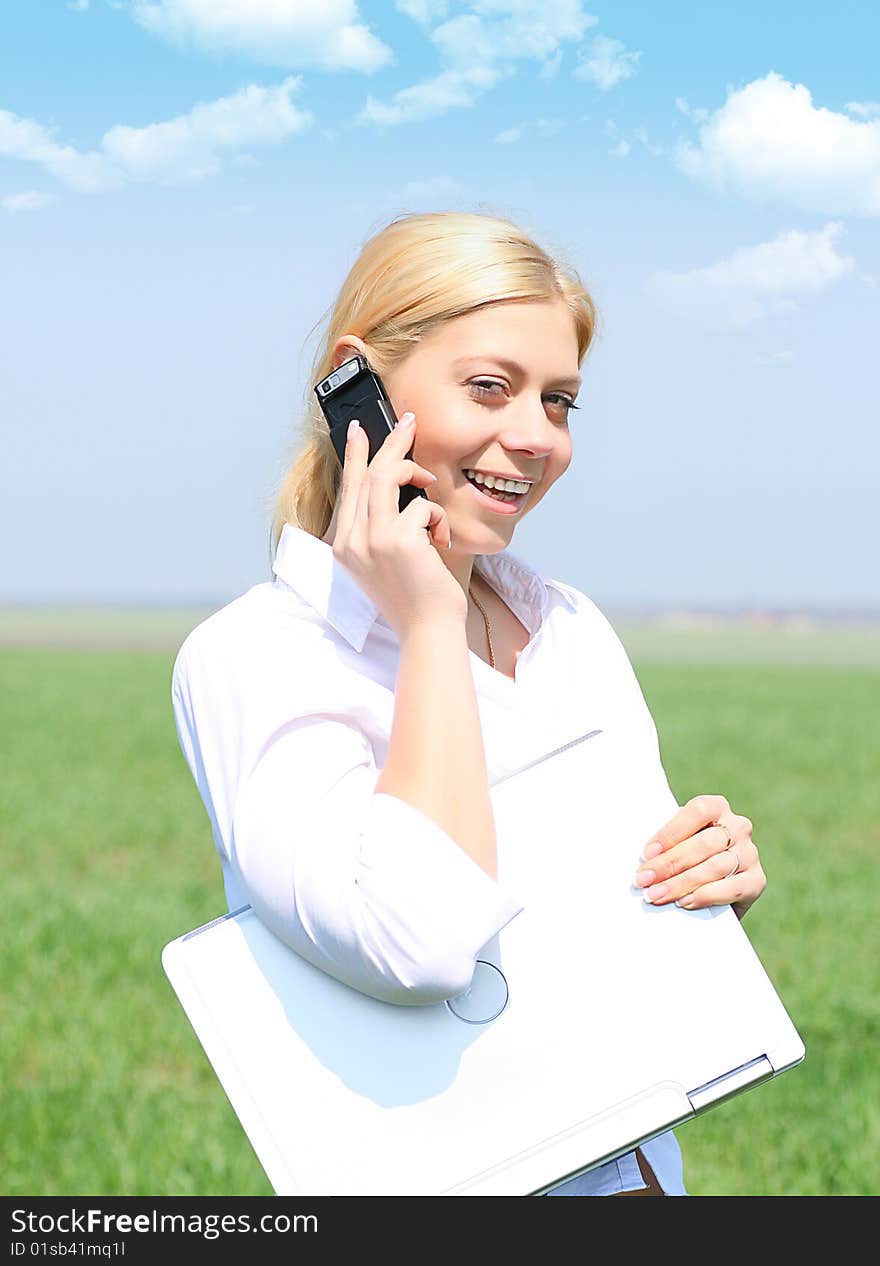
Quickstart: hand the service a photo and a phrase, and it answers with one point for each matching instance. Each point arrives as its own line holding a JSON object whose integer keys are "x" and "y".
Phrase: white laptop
{"x": 593, "y": 1022}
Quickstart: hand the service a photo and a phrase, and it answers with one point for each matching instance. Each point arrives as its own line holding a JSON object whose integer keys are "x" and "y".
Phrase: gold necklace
{"x": 481, "y": 609}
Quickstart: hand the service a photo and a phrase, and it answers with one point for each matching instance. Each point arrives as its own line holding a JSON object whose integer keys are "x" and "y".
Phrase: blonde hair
{"x": 416, "y": 273}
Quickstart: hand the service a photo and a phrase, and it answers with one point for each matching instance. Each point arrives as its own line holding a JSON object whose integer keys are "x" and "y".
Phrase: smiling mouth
{"x": 508, "y": 503}
{"x": 498, "y": 495}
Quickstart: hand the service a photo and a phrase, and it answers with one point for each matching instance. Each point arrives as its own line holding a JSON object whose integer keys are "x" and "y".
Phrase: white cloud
{"x": 31, "y": 200}
{"x": 189, "y": 147}
{"x": 548, "y": 126}
{"x": 179, "y": 150}
{"x": 467, "y": 41}
{"x": 642, "y": 135}
{"x": 605, "y": 62}
{"x": 699, "y": 115}
{"x": 864, "y": 109}
{"x": 757, "y": 279}
{"x": 29, "y": 141}
{"x": 450, "y": 90}
{"x": 423, "y": 11}
{"x": 511, "y": 30}
{"x": 621, "y": 149}
{"x": 769, "y": 141}
{"x": 479, "y": 48}
{"x": 78, "y": 6}
{"x": 550, "y": 68}
{"x": 288, "y": 33}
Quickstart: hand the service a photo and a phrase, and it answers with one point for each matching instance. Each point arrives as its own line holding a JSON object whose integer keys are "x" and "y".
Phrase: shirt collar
{"x": 306, "y": 564}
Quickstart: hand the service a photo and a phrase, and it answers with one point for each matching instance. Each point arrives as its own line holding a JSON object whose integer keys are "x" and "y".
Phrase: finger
{"x": 389, "y": 472}
{"x": 744, "y": 886}
{"x": 699, "y": 812}
{"x": 353, "y": 470}
{"x": 369, "y": 472}
{"x": 715, "y": 869}
{"x": 428, "y": 514}
{"x": 680, "y": 857}
{"x": 399, "y": 441}
{"x": 734, "y": 827}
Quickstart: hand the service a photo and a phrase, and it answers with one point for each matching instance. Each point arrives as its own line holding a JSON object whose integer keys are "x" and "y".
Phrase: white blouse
{"x": 283, "y": 702}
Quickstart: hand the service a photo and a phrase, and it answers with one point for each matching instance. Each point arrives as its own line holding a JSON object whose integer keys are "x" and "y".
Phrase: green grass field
{"x": 109, "y": 856}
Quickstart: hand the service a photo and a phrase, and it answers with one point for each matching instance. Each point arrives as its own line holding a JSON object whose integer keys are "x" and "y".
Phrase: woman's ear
{"x": 346, "y": 347}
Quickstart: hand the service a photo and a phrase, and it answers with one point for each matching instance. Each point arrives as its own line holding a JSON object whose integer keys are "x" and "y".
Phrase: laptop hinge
{"x": 737, "y": 1079}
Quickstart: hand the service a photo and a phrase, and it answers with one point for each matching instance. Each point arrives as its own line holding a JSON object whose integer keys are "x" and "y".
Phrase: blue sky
{"x": 185, "y": 183}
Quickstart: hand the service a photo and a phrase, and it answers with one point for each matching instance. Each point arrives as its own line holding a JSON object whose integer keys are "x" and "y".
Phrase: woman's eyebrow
{"x": 513, "y": 368}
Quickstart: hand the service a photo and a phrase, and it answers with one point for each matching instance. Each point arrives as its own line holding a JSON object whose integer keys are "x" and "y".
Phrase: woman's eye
{"x": 483, "y": 389}
{"x": 565, "y": 402}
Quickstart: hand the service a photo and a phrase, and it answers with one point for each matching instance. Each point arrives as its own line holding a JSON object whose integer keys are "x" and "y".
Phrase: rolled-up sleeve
{"x": 362, "y": 884}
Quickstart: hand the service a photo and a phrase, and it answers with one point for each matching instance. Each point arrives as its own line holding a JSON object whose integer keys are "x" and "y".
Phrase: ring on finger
{"x": 731, "y": 873}
{"x": 729, "y": 843}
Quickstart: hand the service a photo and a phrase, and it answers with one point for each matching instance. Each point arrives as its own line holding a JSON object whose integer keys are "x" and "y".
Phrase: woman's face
{"x": 473, "y": 411}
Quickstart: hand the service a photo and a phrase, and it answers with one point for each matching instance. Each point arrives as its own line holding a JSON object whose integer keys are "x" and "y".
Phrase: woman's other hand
{"x": 704, "y": 856}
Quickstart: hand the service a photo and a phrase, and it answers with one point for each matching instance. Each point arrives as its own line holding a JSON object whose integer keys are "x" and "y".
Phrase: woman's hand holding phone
{"x": 388, "y": 552}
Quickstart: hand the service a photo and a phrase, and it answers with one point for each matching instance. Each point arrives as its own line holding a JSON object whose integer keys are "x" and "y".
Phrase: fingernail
{"x": 644, "y": 877}
{"x": 651, "y": 850}
{"x": 686, "y": 902}
{"x": 353, "y": 426}
{"x": 434, "y": 477}
{"x": 654, "y": 894}
{"x": 407, "y": 419}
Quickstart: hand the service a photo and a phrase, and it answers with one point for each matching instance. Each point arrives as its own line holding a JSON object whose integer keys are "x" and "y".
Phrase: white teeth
{"x": 503, "y": 485}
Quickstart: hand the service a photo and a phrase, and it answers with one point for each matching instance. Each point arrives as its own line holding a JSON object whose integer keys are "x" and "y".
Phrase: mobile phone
{"x": 354, "y": 390}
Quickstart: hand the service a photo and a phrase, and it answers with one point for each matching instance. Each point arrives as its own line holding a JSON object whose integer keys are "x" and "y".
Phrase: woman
{"x": 342, "y": 722}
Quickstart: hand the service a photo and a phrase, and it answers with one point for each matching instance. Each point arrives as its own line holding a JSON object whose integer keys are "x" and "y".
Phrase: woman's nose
{"x": 532, "y": 429}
